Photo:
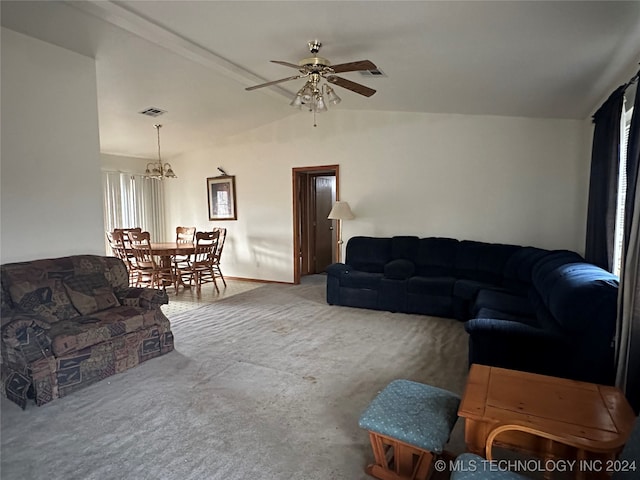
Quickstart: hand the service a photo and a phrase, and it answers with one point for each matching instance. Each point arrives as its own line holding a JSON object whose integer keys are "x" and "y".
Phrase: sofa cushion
{"x": 442, "y": 286}
{"x": 519, "y": 268}
{"x": 368, "y": 254}
{"x": 356, "y": 279}
{"x": 404, "y": 247}
{"x": 84, "y": 331}
{"x": 90, "y": 293}
{"x": 501, "y": 315}
{"x": 503, "y": 302}
{"x": 468, "y": 289}
{"x": 436, "y": 257}
{"x": 46, "y": 297}
{"x": 483, "y": 262}
{"x": 399, "y": 269}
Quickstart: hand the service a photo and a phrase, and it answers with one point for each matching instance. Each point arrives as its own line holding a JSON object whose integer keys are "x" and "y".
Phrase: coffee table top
{"x": 597, "y": 413}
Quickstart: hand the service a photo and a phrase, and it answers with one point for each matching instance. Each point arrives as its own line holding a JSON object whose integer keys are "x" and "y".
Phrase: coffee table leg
{"x": 475, "y": 436}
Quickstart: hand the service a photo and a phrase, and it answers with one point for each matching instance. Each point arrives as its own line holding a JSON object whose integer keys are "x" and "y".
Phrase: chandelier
{"x": 158, "y": 169}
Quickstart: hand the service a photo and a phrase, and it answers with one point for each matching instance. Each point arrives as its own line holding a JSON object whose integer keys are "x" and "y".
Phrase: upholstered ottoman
{"x": 409, "y": 423}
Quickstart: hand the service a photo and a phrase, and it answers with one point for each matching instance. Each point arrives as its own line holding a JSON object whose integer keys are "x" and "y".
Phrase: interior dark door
{"x": 325, "y": 193}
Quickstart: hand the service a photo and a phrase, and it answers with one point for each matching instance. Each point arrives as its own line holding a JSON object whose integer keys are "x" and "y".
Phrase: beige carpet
{"x": 267, "y": 384}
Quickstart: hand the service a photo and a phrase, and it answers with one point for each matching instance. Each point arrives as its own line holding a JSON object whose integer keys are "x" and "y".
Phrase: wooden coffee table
{"x": 565, "y": 408}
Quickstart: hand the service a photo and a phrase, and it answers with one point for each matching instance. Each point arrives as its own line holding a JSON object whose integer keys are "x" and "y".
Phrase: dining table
{"x": 165, "y": 250}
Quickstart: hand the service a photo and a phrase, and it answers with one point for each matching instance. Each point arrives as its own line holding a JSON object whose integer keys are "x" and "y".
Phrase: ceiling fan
{"x": 316, "y": 68}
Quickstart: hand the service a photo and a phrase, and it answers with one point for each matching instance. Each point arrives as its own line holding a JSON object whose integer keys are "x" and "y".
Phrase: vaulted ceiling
{"x": 194, "y": 59}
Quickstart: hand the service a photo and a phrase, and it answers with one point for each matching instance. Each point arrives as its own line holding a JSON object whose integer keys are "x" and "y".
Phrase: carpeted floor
{"x": 267, "y": 384}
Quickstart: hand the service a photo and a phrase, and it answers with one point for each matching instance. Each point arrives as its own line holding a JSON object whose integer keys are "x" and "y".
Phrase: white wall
{"x": 121, "y": 163}
{"x": 51, "y": 199}
{"x": 496, "y": 179}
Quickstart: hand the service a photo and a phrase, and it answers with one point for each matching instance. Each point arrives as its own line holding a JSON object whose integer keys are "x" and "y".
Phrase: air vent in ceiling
{"x": 373, "y": 73}
{"x": 153, "y": 112}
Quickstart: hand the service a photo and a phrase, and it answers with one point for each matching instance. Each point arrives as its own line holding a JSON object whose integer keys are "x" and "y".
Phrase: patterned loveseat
{"x": 72, "y": 321}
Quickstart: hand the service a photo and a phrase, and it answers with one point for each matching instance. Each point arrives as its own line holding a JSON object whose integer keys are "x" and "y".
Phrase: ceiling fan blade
{"x": 349, "y": 85}
{"x": 286, "y": 64}
{"x": 354, "y": 66}
{"x": 274, "y": 82}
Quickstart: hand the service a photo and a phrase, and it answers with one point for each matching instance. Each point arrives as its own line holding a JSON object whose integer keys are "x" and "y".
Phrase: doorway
{"x": 315, "y": 190}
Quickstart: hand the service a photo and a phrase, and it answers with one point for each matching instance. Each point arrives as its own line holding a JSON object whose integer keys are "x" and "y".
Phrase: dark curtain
{"x": 603, "y": 183}
{"x": 629, "y": 304}
{"x": 633, "y": 165}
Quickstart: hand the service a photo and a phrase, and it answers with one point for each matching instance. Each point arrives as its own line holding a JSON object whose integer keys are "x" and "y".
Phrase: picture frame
{"x": 221, "y": 194}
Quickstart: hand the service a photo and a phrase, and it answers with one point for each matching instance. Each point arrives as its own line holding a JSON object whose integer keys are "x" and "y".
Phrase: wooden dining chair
{"x": 124, "y": 253}
{"x": 125, "y": 234}
{"x": 222, "y": 235}
{"x": 200, "y": 267}
{"x": 181, "y": 262}
{"x": 148, "y": 271}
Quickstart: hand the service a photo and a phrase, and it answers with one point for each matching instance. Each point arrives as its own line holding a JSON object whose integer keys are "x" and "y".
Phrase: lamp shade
{"x": 341, "y": 211}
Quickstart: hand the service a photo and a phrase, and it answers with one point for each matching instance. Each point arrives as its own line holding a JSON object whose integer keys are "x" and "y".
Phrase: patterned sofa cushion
{"x": 46, "y": 297}
{"x": 90, "y": 293}
{"x": 82, "y": 332}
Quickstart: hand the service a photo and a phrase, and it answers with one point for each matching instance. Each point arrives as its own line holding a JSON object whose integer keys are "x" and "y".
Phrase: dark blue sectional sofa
{"x": 524, "y": 308}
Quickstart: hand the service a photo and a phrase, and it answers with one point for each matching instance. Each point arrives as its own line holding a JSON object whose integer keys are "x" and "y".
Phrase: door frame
{"x": 297, "y": 175}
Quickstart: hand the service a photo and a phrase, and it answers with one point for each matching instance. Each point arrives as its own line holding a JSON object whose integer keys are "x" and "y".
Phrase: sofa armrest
{"x": 337, "y": 269}
{"x": 27, "y": 334}
{"x": 399, "y": 269}
{"x": 148, "y": 298}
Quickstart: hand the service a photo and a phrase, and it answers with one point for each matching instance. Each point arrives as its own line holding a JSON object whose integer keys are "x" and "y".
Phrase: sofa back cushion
{"x": 436, "y": 257}
{"x": 518, "y": 270}
{"x": 404, "y": 248}
{"x": 90, "y": 293}
{"x": 579, "y": 297}
{"x": 45, "y": 297}
{"x": 368, "y": 254}
{"x": 483, "y": 262}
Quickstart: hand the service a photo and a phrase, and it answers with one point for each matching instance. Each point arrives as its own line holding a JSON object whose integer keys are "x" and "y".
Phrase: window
{"x": 618, "y": 238}
{"x": 133, "y": 201}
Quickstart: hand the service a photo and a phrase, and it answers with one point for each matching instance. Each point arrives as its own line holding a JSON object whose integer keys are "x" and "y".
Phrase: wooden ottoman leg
{"x": 396, "y": 460}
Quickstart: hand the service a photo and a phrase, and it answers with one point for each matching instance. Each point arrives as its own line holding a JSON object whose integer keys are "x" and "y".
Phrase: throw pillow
{"x": 46, "y": 297}
{"x": 91, "y": 293}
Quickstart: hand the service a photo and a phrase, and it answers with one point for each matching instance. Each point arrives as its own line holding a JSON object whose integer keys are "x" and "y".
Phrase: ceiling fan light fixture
{"x": 320, "y": 105}
{"x": 318, "y": 72}
{"x": 332, "y": 96}
{"x": 307, "y": 93}
{"x": 297, "y": 101}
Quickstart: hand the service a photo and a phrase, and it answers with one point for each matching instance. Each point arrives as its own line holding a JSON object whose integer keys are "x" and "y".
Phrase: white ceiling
{"x": 194, "y": 59}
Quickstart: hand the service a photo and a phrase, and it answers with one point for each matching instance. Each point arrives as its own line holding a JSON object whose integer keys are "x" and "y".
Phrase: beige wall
{"x": 495, "y": 179}
{"x": 51, "y": 195}
{"x": 121, "y": 163}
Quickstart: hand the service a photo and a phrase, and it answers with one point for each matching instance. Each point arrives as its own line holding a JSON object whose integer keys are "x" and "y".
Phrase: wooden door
{"x": 325, "y": 194}
{"x": 315, "y": 190}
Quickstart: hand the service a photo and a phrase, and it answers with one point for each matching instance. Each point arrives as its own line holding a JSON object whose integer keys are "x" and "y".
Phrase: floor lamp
{"x": 340, "y": 211}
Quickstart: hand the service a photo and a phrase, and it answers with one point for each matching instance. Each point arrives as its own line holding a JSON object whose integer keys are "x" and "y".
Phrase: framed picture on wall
{"x": 221, "y": 192}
